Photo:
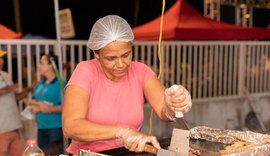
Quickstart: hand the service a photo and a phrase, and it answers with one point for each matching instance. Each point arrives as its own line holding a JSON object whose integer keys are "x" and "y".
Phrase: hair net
{"x": 108, "y": 29}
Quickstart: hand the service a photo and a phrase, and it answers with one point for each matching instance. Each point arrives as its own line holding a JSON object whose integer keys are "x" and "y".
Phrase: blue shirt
{"x": 49, "y": 93}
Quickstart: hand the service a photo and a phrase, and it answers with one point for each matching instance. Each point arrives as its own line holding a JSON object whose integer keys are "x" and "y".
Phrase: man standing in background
{"x": 11, "y": 139}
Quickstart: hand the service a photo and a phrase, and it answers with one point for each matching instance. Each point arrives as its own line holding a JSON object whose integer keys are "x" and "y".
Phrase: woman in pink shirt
{"x": 104, "y": 98}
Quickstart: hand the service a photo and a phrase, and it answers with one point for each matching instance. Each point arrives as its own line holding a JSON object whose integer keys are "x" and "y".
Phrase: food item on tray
{"x": 239, "y": 145}
{"x": 194, "y": 152}
{"x": 227, "y": 136}
{"x": 242, "y": 148}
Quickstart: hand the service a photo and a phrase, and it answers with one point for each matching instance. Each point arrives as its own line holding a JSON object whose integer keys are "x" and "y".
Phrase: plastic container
{"x": 32, "y": 149}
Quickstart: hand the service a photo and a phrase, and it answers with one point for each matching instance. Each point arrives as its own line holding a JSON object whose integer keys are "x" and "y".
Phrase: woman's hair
{"x": 52, "y": 57}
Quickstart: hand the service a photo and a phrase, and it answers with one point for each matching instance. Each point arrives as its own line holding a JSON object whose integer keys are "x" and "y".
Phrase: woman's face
{"x": 115, "y": 59}
{"x": 44, "y": 65}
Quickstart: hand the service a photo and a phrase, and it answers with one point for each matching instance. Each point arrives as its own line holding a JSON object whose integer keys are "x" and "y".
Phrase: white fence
{"x": 209, "y": 70}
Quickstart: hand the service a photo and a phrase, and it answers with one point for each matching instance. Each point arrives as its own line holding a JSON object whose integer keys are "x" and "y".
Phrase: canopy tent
{"x": 6, "y": 33}
{"x": 182, "y": 22}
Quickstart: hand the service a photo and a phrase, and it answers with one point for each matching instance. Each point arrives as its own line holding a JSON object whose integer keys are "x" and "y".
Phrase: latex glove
{"x": 177, "y": 101}
{"x": 135, "y": 141}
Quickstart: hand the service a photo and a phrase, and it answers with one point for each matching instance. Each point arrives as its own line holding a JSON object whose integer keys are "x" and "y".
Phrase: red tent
{"x": 182, "y": 22}
{"x": 6, "y": 33}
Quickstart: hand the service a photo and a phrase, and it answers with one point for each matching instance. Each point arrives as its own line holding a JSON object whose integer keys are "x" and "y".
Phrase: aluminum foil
{"x": 228, "y": 136}
{"x": 256, "y": 144}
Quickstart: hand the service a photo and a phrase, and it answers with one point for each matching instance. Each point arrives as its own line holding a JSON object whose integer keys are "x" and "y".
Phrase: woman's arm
{"x": 154, "y": 94}
{"x": 5, "y": 90}
{"x": 74, "y": 113}
{"x": 23, "y": 94}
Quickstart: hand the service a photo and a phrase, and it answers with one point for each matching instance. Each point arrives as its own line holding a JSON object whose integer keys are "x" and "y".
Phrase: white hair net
{"x": 108, "y": 29}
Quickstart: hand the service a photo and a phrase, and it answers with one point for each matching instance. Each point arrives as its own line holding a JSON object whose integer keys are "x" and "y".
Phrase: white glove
{"x": 133, "y": 140}
{"x": 177, "y": 101}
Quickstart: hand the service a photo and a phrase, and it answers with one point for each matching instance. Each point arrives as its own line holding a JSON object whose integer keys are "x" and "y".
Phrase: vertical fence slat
{"x": 261, "y": 63}
{"x": 267, "y": 69}
{"x": 142, "y": 54}
{"x": 172, "y": 71}
{"x": 148, "y": 55}
{"x": 215, "y": 67}
{"x": 162, "y": 65}
{"x": 178, "y": 66}
{"x": 189, "y": 63}
{"x": 166, "y": 68}
{"x": 205, "y": 74}
{"x": 225, "y": 80}
{"x": 199, "y": 79}
{"x": 156, "y": 62}
{"x": 37, "y": 61}
{"x": 28, "y": 64}
{"x": 10, "y": 55}
{"x": 210, "y": 72}
{"x": 72, "y": 57}
{"x": 257, "y": 68}
{"x": 230, "y": 70}
{"x": 184, "y": 65}
{"x": 235, "y": 68}
{"x": 253, "y": 69}
{"x": 249, "y": 66}
{"x": 80, "y": 53}
{"x": 136, "y": 51}
{"x": 64, "y": 52}
{"x": 194, "y": 81}
{"x": 220, "y": 70}
{"x": 19, "y": 64}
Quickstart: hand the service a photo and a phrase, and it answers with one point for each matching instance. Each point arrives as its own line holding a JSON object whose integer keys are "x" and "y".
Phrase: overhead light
{"x": 243, "y": 5}
{"x": 247, "y": 16}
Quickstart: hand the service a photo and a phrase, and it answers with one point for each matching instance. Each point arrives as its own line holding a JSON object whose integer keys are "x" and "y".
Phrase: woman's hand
{"x": 177, "y": 99}
{"x": 37, "y": 106}
{"x": 135, "y": 141}
{"x": 13, "y": 87}
{"x": 35, "y": 109}
{"x": 30, "y": 102}
{"x": 45, "y": 108}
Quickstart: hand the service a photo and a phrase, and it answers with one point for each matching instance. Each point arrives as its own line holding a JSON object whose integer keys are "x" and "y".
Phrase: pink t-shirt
{"x": 113, "y": 103}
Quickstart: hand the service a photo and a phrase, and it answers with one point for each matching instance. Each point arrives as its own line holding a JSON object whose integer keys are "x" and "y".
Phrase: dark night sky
{"x": 37, "y": 16}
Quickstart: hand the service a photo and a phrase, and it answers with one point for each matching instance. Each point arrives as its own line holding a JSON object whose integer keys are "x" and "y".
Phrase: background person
{"x": 46, "y": 103}
{"x": 104, "y": 98}
{"x": 11, "y": 139}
